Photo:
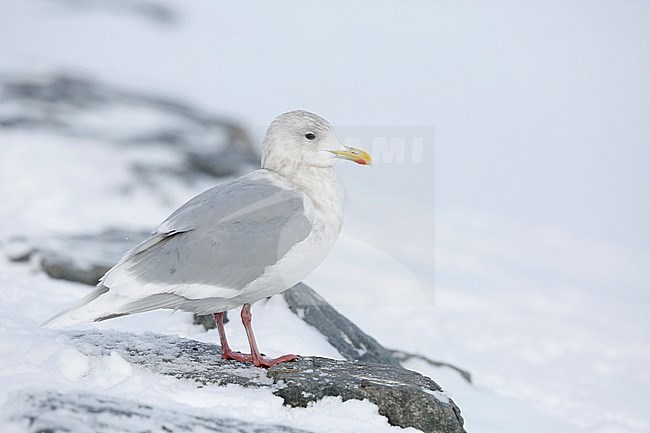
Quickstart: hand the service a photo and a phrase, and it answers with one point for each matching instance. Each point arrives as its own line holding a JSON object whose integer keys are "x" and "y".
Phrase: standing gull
{"x": 237, "y": 242}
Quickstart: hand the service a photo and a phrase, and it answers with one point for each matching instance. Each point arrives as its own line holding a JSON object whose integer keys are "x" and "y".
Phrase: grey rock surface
{"x": 181, "y": 358}
{"x": 54, "y": 412}
{"x": 82, "y": 258}
{"x": 405, "y": 398}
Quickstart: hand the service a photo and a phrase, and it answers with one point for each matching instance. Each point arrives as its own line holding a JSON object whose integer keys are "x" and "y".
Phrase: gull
{"x": 238, "y": 242}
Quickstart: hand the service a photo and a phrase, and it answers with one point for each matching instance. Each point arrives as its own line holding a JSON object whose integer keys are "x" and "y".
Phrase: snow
{"x": 37, "y": 359}
{"x": 440, "y": 395}
{"x": 516, "y": 248}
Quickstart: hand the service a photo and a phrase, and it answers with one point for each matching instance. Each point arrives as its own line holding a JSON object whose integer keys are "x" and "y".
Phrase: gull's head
{"x": 303, "y": 138}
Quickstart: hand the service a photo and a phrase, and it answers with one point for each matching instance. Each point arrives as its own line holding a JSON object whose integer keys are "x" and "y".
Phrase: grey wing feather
{"x": 224, "y": 237}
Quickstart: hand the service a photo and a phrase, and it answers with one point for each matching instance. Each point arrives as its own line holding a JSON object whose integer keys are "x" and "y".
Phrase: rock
{"x": 181, "y": 358}
{"x": 207, "y": 320}
{"x": 405, "y": 398}
{"x": 81, "y": 107}
{"x": 82, "y": 258}
{"x": 54, "y": 412}
{"x": 351, "y": 342}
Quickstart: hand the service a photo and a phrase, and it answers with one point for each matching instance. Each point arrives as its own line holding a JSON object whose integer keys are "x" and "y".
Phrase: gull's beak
{"x": 352, "y": 154}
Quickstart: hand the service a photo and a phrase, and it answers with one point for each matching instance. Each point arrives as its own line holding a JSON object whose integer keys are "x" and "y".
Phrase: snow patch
{"x": 73, "y": 364}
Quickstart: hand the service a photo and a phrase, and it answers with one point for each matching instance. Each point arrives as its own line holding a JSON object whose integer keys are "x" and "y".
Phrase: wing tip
{"x": 59, "y": 321}
{"x": 67, "y": 318}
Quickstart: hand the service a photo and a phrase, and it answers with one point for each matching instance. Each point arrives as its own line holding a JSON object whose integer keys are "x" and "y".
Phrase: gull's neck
{"x": 320, "y": 184}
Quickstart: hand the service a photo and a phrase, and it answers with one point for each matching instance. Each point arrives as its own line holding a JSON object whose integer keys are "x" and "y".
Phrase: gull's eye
{"x": 310, "y": 136}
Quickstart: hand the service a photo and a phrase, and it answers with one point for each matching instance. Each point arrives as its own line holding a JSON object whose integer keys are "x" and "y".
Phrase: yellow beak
{"x": 352, "y": 154}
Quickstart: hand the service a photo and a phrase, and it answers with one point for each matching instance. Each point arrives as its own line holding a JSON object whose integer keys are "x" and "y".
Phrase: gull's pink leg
{"x": 258, "y": 360}
{"x": 226, "y": 351}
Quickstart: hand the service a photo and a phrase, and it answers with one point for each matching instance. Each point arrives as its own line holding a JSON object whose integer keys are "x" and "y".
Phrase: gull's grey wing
{"x": 215, "y": 244}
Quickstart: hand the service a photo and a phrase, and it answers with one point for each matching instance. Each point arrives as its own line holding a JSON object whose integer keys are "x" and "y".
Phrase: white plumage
{"x": 238, "y": 242}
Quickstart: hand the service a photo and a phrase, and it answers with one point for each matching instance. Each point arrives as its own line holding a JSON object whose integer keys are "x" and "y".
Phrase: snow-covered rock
{"x": 405, "y": 398}
{"x": 371, "y": 373}
{"x": 84, "y": 109}
{"x": 51, "y": 411}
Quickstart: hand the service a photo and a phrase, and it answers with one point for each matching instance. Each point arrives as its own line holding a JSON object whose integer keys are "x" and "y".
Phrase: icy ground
{"x": 552, "y": 322}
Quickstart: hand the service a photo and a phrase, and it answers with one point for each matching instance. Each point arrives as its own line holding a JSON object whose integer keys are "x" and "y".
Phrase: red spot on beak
{"x": 360, "y": 161}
